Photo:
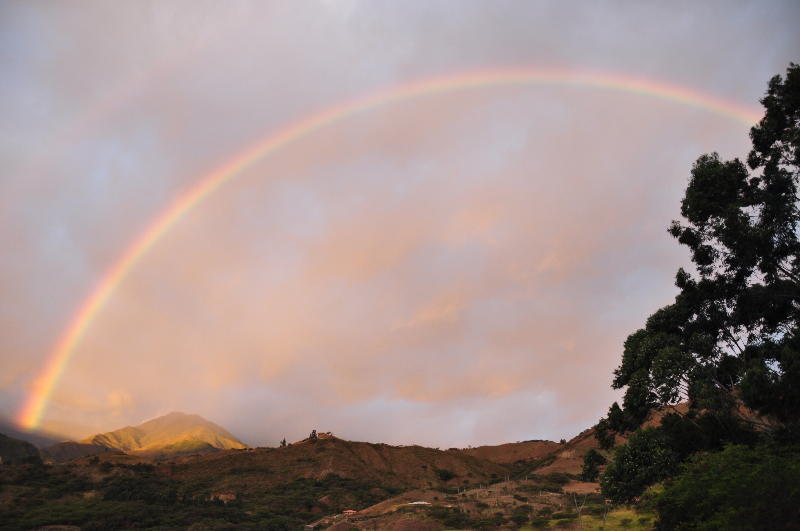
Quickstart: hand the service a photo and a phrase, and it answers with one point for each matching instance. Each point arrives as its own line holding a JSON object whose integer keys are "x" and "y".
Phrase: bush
{"x": 592, "y": 460}
{"x": 445, "y": 475}
{"x": 551, "y": 487}
{"x": 736, "y": 489}
{"x": 643, "y": 461}
{"x": 559, "y": 478}
{"x": 519, "y": 518}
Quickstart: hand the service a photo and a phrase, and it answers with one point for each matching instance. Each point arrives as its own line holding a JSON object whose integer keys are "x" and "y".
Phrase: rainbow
{"x": 30, "y": 415}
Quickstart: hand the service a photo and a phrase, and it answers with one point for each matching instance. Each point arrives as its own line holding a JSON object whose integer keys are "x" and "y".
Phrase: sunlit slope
{"x": 175, "y": 430}
{"x": 124, "y": 439}
{"x": 175, "y": 433}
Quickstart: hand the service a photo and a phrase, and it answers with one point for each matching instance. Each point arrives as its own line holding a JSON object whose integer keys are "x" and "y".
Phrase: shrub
{"x": 519, "y": 518}
{"x": 559, "y": 478}
{"x": 592, "y": 460}
{"x": 738, "y": 488}
{"x": 643, "y": 461}
{"x": 445, "y": 475}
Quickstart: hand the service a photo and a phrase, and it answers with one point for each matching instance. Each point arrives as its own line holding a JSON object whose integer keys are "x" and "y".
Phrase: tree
{"x": 519, "y": 518}
{"x": 592, "y": 460}
{"x": 730, "y": 343}
{"x": 646, "y": 459}
{"x": 579, "y": 509}
{"x": 283, "y": 443}
{"x": 737, "y": 488}
{"x": 605, "y": 437}
{"x": 313, "y": 435}
{"x": 444, "y": 474}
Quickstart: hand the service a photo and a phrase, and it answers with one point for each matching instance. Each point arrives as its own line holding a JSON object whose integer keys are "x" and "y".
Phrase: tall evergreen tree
{"x": 730, "y": 343}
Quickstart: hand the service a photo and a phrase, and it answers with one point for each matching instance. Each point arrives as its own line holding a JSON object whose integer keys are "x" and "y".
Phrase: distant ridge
{"x": 174, "y": 433}
{"x": 38, "y": 439}
{"x": 513, "y": 452}
{"x": 13, "y": 450}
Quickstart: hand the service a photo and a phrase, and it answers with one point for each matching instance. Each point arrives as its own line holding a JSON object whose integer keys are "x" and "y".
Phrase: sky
{"x": 447, "y": 267}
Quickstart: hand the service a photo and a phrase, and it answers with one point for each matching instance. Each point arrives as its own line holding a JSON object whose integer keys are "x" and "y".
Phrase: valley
{"x": 322, "y": 482}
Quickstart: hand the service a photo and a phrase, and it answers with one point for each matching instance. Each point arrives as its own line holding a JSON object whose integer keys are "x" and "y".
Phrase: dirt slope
{"x": 569, "y": 457}
{"x": 407, "y": 467}
{"x": 512, "y": 452}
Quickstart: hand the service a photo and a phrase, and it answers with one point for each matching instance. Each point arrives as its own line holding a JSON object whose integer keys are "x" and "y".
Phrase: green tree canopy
{"x": 730, "y": 343}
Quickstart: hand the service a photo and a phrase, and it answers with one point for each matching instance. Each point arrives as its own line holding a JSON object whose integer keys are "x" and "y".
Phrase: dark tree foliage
{"x": 736, "y": 489}
{"x": 445, "y": 475}
{"x": 144, "y": 496}
{"x": 451, "y": 517}
{"x": 592, "y": 460}
{"x": 730, "y": 343}
{"x": 646, "y": 459}
{"x": 654, "y": 454}
{"x": 604, "y": 435}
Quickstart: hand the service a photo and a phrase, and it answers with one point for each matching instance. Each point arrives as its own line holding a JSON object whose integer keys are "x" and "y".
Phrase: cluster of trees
{"x": 144, "y": 496}
{"x": 729, "y": 347}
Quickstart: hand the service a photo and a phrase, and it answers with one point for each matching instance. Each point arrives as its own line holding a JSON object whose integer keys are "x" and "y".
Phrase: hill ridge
{"x": 173, "y": 433}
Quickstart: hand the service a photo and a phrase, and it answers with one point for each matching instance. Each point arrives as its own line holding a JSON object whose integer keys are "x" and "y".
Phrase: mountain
{"x": 404, "y": 467}
{"x": 38, "y": 439}
{"x": 265, "y": 488}
{"x": 15, "y": 451}
{"x": 175, "y": 433}
{"x": 69, "y": 450}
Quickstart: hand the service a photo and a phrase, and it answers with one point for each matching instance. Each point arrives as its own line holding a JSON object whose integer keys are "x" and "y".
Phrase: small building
{"x": 350, "y": 512}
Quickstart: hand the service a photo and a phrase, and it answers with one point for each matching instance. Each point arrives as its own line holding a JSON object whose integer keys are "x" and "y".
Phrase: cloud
{"x": 452, "y": 269}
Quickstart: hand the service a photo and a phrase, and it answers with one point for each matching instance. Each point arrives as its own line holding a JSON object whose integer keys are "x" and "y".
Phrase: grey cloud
{"x": 447, "y": 270}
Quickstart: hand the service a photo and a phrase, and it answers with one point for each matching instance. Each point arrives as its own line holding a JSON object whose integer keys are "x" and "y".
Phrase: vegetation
{"x": 729, "y": 345}
{"x": 592, "y": 461}
{"x": 16, "y": 451}
{"x": 105, "y": 492}
{"x": 144, "y": 496}
{"x": 445, "y": 475}
{"x": 738, "y": 488}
